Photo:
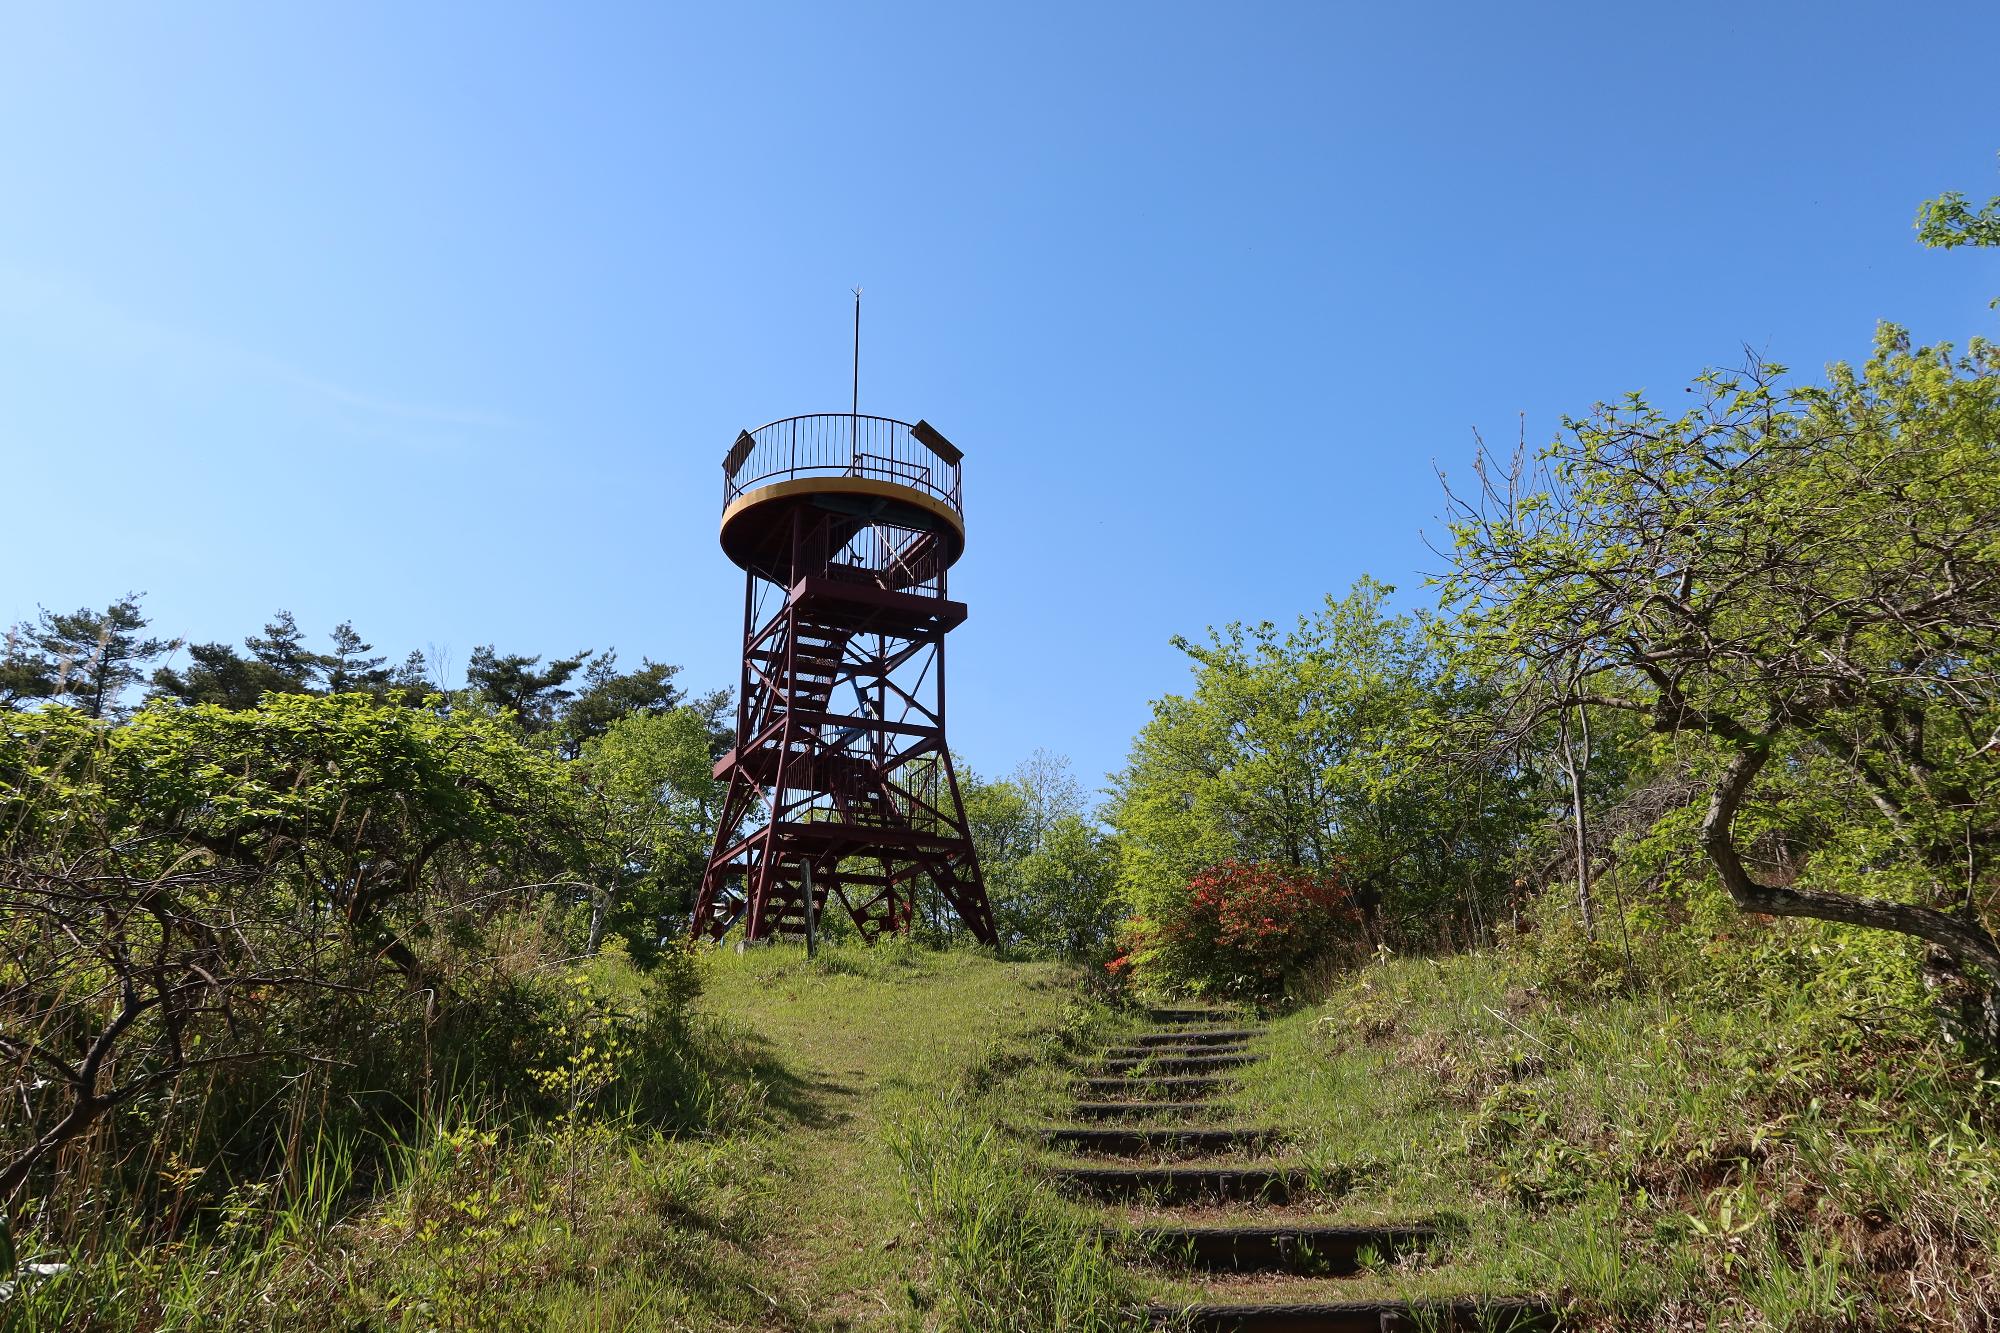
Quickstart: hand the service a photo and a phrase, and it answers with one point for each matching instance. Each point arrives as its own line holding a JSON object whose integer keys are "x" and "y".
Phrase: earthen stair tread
{"x": 1362, "y": 1316}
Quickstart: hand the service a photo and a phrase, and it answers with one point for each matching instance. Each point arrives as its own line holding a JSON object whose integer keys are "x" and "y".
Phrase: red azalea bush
{"x": 1242, "y": 929}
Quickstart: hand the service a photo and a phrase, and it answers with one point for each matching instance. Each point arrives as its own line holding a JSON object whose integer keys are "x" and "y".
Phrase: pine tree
{"x": 610, "y": 694}
{"x": 348, "y": 667}
{"x": 26, "y": 673}
{"x": 413, "y": 677}
{"x": 218, "y": 674}
{"x": 283, "y": 649}
{"x": 99, "y": 654}
{"x": 536, "y": 697}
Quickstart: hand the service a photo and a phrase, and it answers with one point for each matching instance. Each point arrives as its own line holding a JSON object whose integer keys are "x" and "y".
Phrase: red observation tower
{"x": 841, "y": 789}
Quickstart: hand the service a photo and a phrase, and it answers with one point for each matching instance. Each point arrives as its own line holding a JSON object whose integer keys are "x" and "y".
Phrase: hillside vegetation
{"x": 773, "y": 1198}
{"x": 1630, "y": 910}
{"x": 1768, "y": 1134}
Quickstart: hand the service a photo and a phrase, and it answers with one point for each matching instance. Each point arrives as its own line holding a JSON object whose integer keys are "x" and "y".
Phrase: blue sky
{"x": 441, "y": 317}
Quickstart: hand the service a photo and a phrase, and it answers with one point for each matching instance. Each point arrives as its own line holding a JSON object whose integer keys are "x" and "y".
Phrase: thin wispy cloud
{"x": 102, "y": 329}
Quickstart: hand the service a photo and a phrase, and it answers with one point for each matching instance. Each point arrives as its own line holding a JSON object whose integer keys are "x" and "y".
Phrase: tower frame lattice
{"x": 841, "y": 782}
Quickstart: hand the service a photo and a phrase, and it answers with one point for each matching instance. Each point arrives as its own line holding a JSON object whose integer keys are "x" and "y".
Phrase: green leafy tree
{"x": 1063, "y": 899}
{"x": 1316, "y": 748}
{"x": 1794, "y": 575}
{"x": 204, "y": 888}
{"x": 651, "y": 805}
{"x": 98, "y": 655}
{"x": 1949, "y": 221}
{"x": 998, "y": 814}
{"x": 1050, "y": 872}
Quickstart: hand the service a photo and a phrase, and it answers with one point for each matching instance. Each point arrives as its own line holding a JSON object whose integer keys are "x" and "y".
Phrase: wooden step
{"x": 1193, "y": 1036}
{"x": 1180, "y": 1184}
{"x": 1169, "y": 1087}
{"x": 1147, "y": 1110}
{"x": 1309, "y": 1249}
{"x": 1356, "y": 1317}
{"x": 1157, "y": 1050}
{"x": 1176, "y": 1064}
{"x": 1190, "y": 1015}
{"x": 1134, "y": 1049}
{"x": 1133, "y": 1139}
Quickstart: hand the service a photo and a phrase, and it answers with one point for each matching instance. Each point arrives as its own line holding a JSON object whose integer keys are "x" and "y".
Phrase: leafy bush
{"x": 236, "y": 946}
{"x": 1243, "y": 930}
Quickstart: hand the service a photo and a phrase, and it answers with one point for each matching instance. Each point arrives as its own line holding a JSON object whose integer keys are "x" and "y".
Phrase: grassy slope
{"x": 1779, "y": 1143}
{"x": 790, "y": 1213}
{"x": 1776, "y": 1147}
{"x": 848, "y": 1047}
{"x": 1774, "y": 1160}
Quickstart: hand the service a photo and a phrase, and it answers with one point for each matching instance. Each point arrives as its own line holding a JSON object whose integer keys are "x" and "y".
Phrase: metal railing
{"x": 892, "y": 556}
{"x": 839, "y": 444}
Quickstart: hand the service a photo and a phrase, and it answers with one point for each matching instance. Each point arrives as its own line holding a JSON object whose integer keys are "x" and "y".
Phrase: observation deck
{"x": 885, "y": 491}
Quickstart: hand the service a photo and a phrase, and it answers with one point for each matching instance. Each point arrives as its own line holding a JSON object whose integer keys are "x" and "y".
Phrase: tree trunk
{"x": 1963, "y": 967}
{"x": 88, "y": 1104}
{"x": 1573, "y": 769}
{"x": 1968, "y": 1011}
{"x": 81, "y": 1115}
{"x": 600, "y": 912}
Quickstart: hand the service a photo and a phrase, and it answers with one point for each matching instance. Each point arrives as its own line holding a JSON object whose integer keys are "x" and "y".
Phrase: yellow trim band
{"x": 887, "y": 490}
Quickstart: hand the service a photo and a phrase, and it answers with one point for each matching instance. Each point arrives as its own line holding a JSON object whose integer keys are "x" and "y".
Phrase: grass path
{"x": 843, "y": 1045}
{"x": 1692, "y": 1160}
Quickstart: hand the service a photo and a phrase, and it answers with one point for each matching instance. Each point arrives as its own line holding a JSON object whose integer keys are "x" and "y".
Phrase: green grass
{"x": 1005, "y": 1253}
{"x": 789, "y": 1204}
{"x": 1769, "y": 1141}
{"x": 592, "y": 1224}
{"x": 860, "y": 1051}
{"x": 1738, "y": 1155}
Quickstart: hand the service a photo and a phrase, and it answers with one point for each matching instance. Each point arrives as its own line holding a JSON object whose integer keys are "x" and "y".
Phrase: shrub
{"x": 1243, "y": 930}
{"x": 227, "y": 936}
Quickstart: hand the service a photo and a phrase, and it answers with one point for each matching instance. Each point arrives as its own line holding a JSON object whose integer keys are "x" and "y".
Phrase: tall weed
{"x": 1006, "y": 1255}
